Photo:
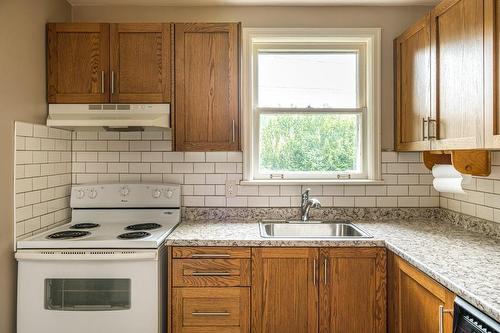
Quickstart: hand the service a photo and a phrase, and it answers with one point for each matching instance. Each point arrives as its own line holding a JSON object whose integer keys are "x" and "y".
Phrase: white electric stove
{"x": 105, "y": 270}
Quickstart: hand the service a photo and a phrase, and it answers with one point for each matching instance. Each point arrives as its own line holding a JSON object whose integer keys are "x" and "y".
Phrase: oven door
{"x": 82, "y": 291}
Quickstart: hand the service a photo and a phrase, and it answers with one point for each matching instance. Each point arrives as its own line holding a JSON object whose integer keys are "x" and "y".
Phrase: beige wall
{"x": 22, "y": 96}
{"x": 393, "y": 20}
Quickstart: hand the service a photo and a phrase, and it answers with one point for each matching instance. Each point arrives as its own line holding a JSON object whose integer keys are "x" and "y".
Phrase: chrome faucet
{"x": 307, "y": 204}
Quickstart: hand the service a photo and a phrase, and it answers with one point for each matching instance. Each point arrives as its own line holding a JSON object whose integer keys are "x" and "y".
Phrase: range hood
{"x": 108, "y": 116}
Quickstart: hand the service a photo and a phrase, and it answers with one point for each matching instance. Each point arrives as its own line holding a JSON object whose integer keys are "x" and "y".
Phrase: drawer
{"x": 210, "y": 310}
{"x": 211, "y": 252}
{"x": 210, "y": 272}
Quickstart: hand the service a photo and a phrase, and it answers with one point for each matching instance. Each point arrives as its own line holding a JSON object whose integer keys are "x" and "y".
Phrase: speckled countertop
{"x": 465, "y": 262}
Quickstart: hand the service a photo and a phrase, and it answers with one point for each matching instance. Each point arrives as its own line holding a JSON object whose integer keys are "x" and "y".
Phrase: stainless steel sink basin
{"x": 311, "y": 229}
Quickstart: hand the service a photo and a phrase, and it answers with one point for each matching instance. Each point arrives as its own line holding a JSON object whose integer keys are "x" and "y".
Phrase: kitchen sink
{"x": 311, "y": 229}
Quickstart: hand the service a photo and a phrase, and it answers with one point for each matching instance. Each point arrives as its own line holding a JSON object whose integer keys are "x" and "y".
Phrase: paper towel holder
{"x": 469, "y": 162}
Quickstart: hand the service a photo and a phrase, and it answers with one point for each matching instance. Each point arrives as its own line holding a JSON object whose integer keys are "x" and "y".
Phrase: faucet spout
{"x": 307, "y": 204}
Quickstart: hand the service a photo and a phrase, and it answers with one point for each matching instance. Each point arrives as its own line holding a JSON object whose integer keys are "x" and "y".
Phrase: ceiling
{"x": 252, "y": 2}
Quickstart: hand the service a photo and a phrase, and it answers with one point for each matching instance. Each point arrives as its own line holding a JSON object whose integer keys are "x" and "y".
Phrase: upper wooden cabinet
{"x": 457, "y": 39}
{"x": 284, "y": 290}
{"x": 416, "y": 302}
{"x": 77, "y": 62}
{"x": 492, "y": 72}
{"x": 413, "y": 88}
{"x": 88, "y": 64}
{"x": 460, "y": 82}
{"x": 352, "y": 290}
{"x": 207, "y": 86}
{"x": 140, "y": 63}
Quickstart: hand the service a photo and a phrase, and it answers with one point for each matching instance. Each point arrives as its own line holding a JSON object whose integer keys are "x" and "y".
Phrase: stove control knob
{"x": 80, "y": 194}
{"x": 92, "y": 194}
{"x": 124, "y": 191}
{"x": 169, "y": 193}
{"x": 156, "y": 193}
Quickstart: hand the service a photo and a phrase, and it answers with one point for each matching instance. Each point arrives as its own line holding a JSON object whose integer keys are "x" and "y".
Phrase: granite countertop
{"x": 465, "y": 262}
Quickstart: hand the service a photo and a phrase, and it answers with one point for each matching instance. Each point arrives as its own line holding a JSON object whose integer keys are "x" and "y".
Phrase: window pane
{"x": 300, "y": 80}
{"x": 309, "y": 143}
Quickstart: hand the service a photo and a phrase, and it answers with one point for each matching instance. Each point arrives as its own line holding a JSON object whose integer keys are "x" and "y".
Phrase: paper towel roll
{"x": 448, "y": 179}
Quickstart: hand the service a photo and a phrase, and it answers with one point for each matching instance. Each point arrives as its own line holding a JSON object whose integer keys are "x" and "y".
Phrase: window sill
{"x": 312, "y": 182}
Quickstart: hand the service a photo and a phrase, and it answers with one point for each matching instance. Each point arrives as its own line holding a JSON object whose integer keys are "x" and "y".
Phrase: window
{"x": 310, "y": 105}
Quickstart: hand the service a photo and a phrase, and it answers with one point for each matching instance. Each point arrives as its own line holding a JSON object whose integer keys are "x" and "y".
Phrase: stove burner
{"x": 68, "y": 234}
{"x": 134, "y": 235}
{"x": 84, "y": 226}
{"x": 144, "y": 226}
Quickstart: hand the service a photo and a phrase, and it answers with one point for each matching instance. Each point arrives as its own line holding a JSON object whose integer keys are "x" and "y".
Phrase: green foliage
{"x": 315, "y": 142}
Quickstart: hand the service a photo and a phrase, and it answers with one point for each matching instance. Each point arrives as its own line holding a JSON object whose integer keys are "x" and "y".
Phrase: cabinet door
{"x": 206, "y": 87}
{"x": 77, "y": 62}
{"x": 352, "y": 290}
{"x": 140, "y": 63}
{"x": 492, "y": 73}
{"x": 415, "y": 300}
{"x": 284, "y": 291}
{"x": 413, "y": 86}
{"x": 458, "y": 78}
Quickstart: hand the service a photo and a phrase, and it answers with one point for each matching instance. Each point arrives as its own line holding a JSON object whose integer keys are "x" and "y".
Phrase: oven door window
{"x": 87, "y": 294}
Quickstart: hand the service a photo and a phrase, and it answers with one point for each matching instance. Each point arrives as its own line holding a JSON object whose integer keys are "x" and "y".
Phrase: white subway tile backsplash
{"x": 173, "y": 157}
{"x": 130, "y": 156}
{"x": 204, "y": 167}
{"x": 130, "y": 135}
{"x": 182, "y": 168}
{"x": 355, "y": 190}
{"x": 216, "y": 156}
{"x": 118, "y": 145}
{"x": 194, "y": 157}
{"x": 194, "y": 178}
{"x": 273, "y": 190}
{"x": 24, "y": 129}
{"x": 225, "y": 167}
{"x": 152, "y": 157}
{"x": 279, "y": 202}
{"x": 258, "y": 201}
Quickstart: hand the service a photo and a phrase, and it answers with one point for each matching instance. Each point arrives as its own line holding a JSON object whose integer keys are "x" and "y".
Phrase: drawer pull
{"x": 213, "y": 314}
{"x": 210, "y": 255}
{"x": 211, "y": 274}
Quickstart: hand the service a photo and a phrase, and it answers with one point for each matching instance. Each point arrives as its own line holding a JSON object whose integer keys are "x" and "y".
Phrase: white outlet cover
{"x": 231, "y": 188}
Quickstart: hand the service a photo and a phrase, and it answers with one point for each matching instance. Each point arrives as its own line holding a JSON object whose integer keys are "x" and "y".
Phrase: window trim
{"x": 369, "y": 38}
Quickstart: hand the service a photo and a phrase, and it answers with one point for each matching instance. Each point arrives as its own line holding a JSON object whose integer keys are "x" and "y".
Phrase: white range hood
{"x": 108, "y": 116}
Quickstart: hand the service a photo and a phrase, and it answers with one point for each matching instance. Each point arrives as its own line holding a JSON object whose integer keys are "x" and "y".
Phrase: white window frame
{"x": 367, "y": 43}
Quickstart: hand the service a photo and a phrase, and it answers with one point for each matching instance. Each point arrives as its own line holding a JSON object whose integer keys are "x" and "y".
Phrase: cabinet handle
{"x": 315, "y": 265}
{"x": 429, "y": 121}
{"x": 325, "y": 264}
{"x": 210, "y": 255}
{"x": 441, "y": 317}
{"x": 233, "y": 132}
{"x": 211, "y": 313}
{"x": 102, "y": 82}
{"x": 424, "y": 121}
{"x": 211, "y": 274}
{"x": 112, "y": 82}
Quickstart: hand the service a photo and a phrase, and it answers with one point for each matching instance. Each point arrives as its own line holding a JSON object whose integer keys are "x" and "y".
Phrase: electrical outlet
{"x": 231, "y": 188}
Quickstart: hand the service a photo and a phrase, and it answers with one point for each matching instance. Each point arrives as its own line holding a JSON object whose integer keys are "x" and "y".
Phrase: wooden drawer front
{"x": 211, "y": 252}
{"x": 210, "y": 272}
{"x": 221, "y": 310}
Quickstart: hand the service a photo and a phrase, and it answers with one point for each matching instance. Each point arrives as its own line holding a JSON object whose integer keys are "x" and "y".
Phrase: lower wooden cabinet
{"x": 306, "y": 290}
{"x": 210, "y": 310}
{"x": 416, "y": 302}
{"x": 284, "y": 290}
{"x": 353, "y": 290}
